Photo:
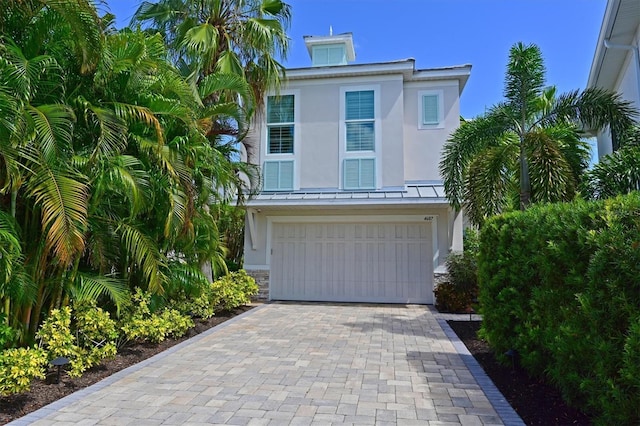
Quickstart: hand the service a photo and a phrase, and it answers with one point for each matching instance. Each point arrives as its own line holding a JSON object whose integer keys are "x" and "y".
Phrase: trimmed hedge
{"x": 560, "y": 284}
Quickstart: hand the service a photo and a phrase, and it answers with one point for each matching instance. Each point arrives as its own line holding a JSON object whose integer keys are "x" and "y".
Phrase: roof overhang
{"x": 619, "y": 26}
{"x": 405, "y": 67}
{"x": 412, "y": 196}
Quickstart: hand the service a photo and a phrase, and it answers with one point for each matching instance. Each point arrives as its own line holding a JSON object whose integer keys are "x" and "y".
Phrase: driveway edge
{"x": 495, "y": 397}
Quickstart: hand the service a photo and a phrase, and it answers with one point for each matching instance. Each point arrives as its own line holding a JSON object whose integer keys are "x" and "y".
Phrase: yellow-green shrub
{"x": 142, "y": 324}
{"x": 86, "y": 341}
{"x": 233, "y": 290}
{"x": 18, "y": 367}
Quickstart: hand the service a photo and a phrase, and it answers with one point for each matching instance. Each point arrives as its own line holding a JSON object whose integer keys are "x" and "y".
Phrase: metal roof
{"x": 412, "y": 194}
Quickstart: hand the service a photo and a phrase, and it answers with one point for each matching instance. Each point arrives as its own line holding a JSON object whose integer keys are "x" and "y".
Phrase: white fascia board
{"x": 350, "y": 70}
{"x": 460, "y": 73}
{"x": 605, "y": 32}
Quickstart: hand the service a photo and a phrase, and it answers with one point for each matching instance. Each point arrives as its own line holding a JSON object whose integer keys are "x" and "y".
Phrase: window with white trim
{"x": 430, "y": 109}
{"x": 278, "y": 175}
{"x": 359, "y": 173}
{"x": 329, "y": 54}
{"x": 360, "y": 121}
{"x": 280, "y": 124}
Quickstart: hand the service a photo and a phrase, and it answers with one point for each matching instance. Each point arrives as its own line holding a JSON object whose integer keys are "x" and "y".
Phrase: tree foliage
{"x": 529, "y": 147}
{"x": 113, "y": 164}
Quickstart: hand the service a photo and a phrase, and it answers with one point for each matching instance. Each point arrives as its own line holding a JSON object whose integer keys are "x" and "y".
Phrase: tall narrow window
{"x": 280, "y": 124}
{"x": 360, "y": 121}
{"x": 430, "y": 110}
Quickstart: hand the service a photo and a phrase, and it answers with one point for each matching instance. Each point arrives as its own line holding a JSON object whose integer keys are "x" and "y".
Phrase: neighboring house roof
{"x": 406, "y": 67}
{"x": 619, "y": 26}
{"x": 413, "y": 194}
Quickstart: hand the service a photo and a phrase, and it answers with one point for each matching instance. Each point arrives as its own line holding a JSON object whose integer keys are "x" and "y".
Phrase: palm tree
{"x": 616, "y": 173}
{"x": 242, "y": 37}
{"x": 527, "y": 148}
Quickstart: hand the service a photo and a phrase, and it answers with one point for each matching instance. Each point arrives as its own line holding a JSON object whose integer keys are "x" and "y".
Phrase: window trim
{"x": 376, "y": 154}
{"x": 440, "y": 124}
{"x": 359, "y": 159}
{"x": 281, "y": 124}
{"x": 264, "y": 137}
{"x": 280, "y": 188}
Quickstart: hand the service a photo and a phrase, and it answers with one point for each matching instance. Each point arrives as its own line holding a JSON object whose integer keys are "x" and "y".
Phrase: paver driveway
{"x": 295, "y": 364}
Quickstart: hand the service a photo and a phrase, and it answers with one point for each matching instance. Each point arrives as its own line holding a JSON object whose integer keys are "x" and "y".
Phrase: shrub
{"x": 142, "y": 324}
{"x": 233, "y": 290}
{"x": 18, "y": 367}
{"x": 90, "y": 339}
{"x": 8, "y": 335}
{"x": 461, "y": 292}
{"x": 560, "y": 284}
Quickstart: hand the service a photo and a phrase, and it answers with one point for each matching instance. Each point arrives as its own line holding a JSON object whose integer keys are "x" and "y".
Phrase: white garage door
{"x": 352, "y": 262}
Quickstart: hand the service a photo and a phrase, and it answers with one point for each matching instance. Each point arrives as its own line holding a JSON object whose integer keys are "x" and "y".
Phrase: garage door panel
{"x": 359, "y": 262}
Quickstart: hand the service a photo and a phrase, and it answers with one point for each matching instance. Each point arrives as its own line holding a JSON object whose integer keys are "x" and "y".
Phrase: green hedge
{"x": 561, "y": 285}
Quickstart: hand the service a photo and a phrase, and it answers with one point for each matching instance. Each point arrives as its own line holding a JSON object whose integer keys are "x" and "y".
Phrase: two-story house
{"x": 352, "y": 206}
{"x": 616, "y": 62}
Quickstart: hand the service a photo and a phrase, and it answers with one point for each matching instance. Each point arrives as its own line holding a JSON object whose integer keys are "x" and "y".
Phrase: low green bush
{"x": 233, "y": 290}
{"x": 140, "y": 323}
{"x": 18, "y": 367}
{"x": 85, "y": 337}
{"x": 460, "y": 293}
{"x": 561, "y": 285}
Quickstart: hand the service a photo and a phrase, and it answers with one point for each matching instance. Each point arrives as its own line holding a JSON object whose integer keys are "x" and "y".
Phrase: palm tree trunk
{"x": 14, "y": 199}
{"x": 525, "y": 183}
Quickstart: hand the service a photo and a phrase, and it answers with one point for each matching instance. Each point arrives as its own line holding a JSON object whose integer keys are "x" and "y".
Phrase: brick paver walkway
{"x": 297, "y": 364}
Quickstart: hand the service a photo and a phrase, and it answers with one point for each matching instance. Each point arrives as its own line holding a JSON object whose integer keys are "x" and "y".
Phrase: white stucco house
{"x": 616, "y": 63}
{"x": 352, "y": 206}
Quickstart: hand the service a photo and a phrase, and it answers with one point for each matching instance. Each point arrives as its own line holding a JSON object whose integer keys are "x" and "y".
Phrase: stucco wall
{"x": 423, "y": 147}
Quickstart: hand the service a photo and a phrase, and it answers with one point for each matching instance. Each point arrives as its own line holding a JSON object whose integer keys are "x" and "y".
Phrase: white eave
{"x": 405, "y": 67}
{"x": 412, "y": 195}
{"x": 619, "y": 26}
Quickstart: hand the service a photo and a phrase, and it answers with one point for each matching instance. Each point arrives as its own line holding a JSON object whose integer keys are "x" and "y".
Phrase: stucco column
{"x": 456, "y": 230}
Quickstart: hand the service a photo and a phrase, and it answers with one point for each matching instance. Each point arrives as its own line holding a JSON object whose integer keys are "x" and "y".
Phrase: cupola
{"x": 330, "y": 50}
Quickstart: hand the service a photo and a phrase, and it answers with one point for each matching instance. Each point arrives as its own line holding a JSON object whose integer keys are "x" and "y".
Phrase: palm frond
{"x": 471, "y": 138}
{"x": 550, "y": 173}
{"x": 90, "y": 288}
{"x": 62, "y": 197}
{"x": 615, "y": 174}
{"x": 83, "y": 20}
{"x": 490, "y": 180}
{"x": 184, "y": 277}
{"x": 146, "y": 255}
{"x": 52, "y": 126}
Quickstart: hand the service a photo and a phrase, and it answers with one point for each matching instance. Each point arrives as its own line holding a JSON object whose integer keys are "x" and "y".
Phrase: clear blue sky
{"x": 441, "y": 33}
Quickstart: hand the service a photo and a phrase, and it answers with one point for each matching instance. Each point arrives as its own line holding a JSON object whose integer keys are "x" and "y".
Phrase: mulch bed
{"x": 43, "y": 393}
{"x": 536, "y": 401}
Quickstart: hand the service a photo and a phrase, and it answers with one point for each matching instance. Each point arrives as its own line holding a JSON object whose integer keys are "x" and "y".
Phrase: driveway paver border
{"x": 495, "y": 397}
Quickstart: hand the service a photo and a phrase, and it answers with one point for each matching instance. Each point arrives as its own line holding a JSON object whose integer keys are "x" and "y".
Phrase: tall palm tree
{"x": 242, "y": 37}
{"x": 527, "y": 148}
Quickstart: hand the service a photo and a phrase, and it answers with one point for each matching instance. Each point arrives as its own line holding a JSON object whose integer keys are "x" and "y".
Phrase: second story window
{"x": 360, "y": 121}
{"x": 280, "y": 124}
{"x": 430, "y": 109}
